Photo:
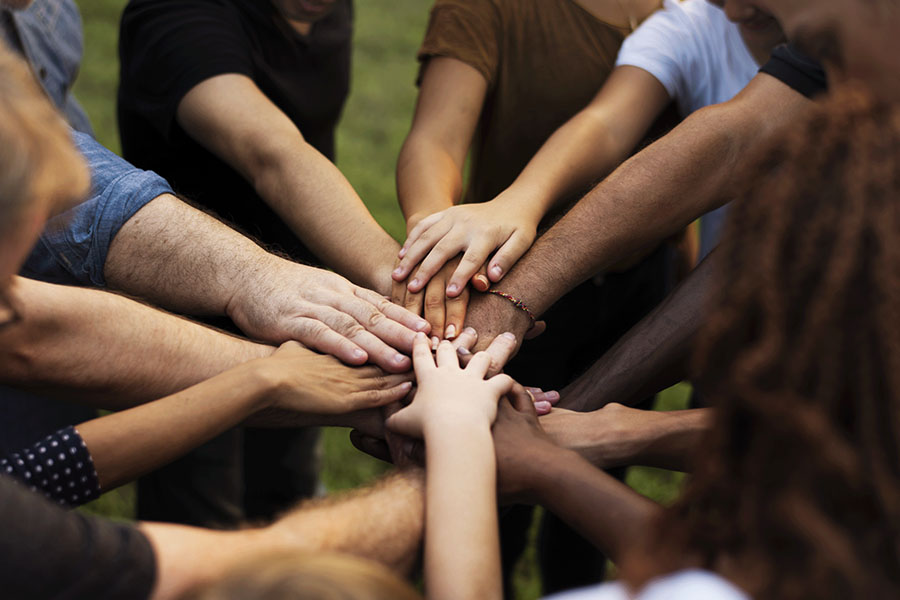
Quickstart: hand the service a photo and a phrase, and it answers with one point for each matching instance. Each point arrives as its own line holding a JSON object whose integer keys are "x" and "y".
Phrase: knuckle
{"x": 374, "y": 319}
{"x": 434, "y": 302}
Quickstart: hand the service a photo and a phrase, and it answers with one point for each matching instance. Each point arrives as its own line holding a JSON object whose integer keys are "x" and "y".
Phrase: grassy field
{"x": 375, "y": 122}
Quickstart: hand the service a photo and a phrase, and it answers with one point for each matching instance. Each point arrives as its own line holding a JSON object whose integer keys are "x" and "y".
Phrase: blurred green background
{"x": 375, "y": 122}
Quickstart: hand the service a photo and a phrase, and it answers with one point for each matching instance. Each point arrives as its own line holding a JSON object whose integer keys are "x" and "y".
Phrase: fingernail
{"x": 509, "y": 336}
{"x": 357, "y": 353}
{"x": 399, "y": 358}
{"x": 542, "y": 406}
{"x": 402, "y": 252}
{"x": 398, "y": 271}
{"x": 406, "y": 386}
{"x": 470, "y": 331}
{"x": 421, "y": 335}
{"x": 413, "y": 283}
{"x": 453, "y": 288}
{"x": 552, "y": 396}
{"x": 451, "y": 332}
{"x": 496, "y": 271}
{"x": 463, "y": 351}
{"x": 434, "y": 342}
{"x": 421, "y": 326}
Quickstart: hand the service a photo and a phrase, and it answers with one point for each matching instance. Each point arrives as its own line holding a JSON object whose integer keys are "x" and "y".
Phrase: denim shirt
{"x": 48, "y": 34}
{"x": 73, "y": 247}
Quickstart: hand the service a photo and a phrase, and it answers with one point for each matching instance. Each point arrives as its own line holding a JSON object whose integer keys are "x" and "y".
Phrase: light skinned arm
{"x": 654, "y": 194}
{"x": 430, "y": 176}
{"x": 133, "y": 442}
{"x": 533, "y": 469}
{"x": 231, "y": 117}
{"x": 583, "y": 150}
{"x": 453, "y": 411}
{"x": 382, "y": 523}
{"x": 204, "y": 267}
{"x": 106, "y": 350}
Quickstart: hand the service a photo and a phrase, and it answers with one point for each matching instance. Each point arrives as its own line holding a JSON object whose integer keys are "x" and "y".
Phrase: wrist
{"x": 454, "y": 426}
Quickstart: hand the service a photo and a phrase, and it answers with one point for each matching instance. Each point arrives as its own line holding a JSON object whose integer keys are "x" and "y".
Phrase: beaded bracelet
{"x": 517, "y": 303}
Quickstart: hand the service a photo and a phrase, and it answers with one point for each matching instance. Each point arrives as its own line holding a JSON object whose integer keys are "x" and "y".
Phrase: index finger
{"x": 423, "y": 361}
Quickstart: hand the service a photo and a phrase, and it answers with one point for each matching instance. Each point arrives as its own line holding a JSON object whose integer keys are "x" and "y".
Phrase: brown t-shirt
{"x": 544, "y": 60}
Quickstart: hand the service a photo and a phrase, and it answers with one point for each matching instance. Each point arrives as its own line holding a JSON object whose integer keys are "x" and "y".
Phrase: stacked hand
{"x": 448, "y": 392}
{"x": 447, "y": 250}
{"x": 284, "y": 301}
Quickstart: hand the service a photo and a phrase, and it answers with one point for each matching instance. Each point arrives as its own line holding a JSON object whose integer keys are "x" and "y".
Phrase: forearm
{"x": 604, "y": 510}
{"x": 634, "y": 208}
{"x": 382, "y": 523}
{"x": 428, "y": 179}
{"x": 128, "y": 444}
{"x": 618, "y": 436}
{"x": 462, "y": 550}
{"x": 194, "y": 266}
{"x": 318, "y": 203}
{"x": 654, "y": 354}
{"x": 108, "y": 351}
{"x": 579, "y": 153}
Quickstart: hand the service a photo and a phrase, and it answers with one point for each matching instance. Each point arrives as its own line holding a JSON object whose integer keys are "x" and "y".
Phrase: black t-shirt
{"x": 797, "y": 70}
{"x": 167, "y": 47}
{"x": 47, "y": 552}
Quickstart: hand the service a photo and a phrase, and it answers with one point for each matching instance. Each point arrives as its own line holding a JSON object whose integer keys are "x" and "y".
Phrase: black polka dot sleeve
{"x": 59, "y": 466}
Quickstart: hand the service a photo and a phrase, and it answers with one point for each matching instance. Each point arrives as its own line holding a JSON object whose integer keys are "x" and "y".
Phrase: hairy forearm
{"x": 653, "y": 195}
{"x": 654, "y": 354}
{"x": 604, "y": 510}
{"x": 462, "y": 549}
{"x": 318, "y": 203}
{"x": 128, "y": 444}
{"x": 108, "y": 351}
{"x": 382, "y": 523}
{"x": 428, "y": 179}
{"x": 178, "y": 257}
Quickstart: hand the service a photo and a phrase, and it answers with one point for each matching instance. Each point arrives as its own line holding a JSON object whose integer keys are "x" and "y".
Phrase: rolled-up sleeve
{"x": 73, "y": 248}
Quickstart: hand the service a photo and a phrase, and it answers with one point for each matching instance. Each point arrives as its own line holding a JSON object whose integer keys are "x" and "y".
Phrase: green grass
{"x": 375, "y": 122}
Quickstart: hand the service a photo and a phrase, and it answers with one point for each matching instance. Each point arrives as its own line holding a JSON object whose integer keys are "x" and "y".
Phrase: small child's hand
{"x": 448, "y": 393}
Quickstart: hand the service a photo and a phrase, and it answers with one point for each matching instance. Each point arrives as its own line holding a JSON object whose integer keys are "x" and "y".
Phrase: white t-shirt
{"x": 691, "y": 584}
{"x": 694, "y": 51}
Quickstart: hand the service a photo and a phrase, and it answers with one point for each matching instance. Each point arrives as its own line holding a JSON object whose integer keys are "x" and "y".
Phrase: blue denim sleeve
{"x": 73, "y": 247}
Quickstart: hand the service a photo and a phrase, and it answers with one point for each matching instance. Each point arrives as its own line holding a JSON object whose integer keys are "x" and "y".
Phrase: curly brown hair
{"x": 797, "y": 488}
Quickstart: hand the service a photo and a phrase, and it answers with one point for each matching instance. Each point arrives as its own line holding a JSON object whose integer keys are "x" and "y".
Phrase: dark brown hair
{"x": 797, "y": 489}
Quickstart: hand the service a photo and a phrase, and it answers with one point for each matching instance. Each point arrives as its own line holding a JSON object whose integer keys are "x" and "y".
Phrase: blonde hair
{"x": 304, "y": 576}
{"x": 37, "y": 158}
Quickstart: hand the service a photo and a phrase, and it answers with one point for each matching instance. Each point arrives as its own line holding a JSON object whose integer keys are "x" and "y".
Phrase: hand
{"x": 491, "y": 315}
{"x": 284, "y": 301}
{"x": 449, "y": 393}
{"x": 609, "y": 437}
{"x": 304, "y": 381}
{"x": 444, "y": 314}
{"x": 476, "y": 230}
{"x": 521, "y": 445}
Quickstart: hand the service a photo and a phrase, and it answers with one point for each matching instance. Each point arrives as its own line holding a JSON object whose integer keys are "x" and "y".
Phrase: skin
{"x": 429, "y": 180}
{"x": 586, "y": 148}
{"x": 207, "y": 268}
{"x": 188, "y": 556}
{"x": 532, "y": 469}
{"x": 462, "y": 551}
{"x": 232, "y": 118}
{"x": 128, "y": 444}
{"x": 635, "y": 208}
